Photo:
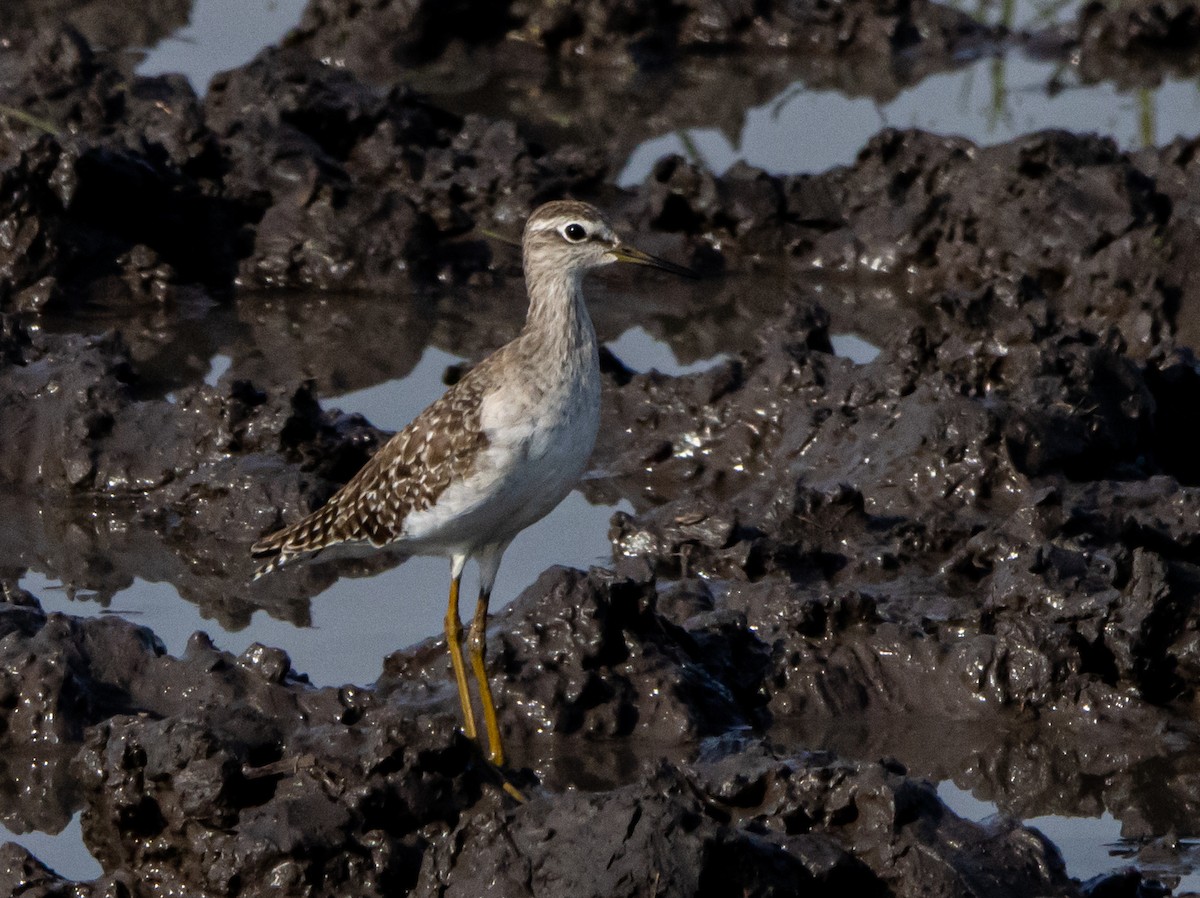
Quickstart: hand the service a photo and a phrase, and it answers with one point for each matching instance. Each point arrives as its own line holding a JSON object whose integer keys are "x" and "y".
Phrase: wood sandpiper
{"x": 494, "y": 454}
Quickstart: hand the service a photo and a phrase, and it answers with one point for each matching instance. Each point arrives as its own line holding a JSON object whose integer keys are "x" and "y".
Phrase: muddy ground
{"x": 976, "y": 556}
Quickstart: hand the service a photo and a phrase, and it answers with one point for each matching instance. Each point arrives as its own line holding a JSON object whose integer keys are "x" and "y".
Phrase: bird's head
{"x": 571, "y": 237}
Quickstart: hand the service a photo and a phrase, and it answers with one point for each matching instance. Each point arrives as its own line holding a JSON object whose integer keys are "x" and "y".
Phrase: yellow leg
{"x": 476, "y": 644}
{"x": 454, "y": 632}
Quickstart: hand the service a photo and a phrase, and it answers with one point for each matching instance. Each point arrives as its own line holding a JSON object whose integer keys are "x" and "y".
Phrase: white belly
{"x": 539, "y": 444}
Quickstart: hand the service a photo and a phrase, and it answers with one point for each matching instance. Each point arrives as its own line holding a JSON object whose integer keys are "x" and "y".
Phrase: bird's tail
{"x": 311, "y": 534}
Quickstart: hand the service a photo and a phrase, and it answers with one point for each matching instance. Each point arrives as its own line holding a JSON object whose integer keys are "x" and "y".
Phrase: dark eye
{"x": 575, "y": 232}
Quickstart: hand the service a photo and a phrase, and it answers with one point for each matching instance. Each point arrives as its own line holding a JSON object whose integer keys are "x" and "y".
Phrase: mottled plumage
{"x": 408, "y": 474}
{"x": 497, "y": 452}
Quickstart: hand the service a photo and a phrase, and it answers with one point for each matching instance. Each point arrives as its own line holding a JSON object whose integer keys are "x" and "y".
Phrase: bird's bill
{"x": 624, "y": 253}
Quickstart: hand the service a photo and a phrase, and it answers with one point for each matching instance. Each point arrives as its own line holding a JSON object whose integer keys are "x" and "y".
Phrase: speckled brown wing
{"x": 406, "y": 475}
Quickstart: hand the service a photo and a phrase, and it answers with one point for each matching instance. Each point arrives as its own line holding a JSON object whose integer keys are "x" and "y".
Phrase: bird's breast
{"x": 539, "y": 424}
{"x": 546, "y": 420}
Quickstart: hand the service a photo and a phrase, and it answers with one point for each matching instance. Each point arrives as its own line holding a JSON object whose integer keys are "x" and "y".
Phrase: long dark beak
{"x": 623, "y": 253}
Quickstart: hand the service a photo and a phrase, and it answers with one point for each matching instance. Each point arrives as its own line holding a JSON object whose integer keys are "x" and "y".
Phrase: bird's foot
{"x": 500, "y": 776}
{"x": 513, "y": 792}
{"x": 504, "y": 781}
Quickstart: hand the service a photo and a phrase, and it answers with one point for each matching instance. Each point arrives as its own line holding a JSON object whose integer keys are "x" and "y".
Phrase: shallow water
{"x": 1090, "y": 846}
{"x": 222, "y": 34}
{"x": 357, "y": 622}
{"x": 639, "y": 351}
{"x": 990, "y": 101}
{"x": 854, "y": 347}
{"x": 63, "y": 852}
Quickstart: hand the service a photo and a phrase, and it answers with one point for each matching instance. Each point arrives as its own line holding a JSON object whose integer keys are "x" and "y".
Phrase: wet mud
{"x": 975, "y": 557}
{"x": 1138, "y": 42}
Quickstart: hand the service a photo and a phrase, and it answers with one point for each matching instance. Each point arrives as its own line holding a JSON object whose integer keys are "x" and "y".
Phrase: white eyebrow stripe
{"x": 557, "y": 224}
{"x": 595, "y": 230}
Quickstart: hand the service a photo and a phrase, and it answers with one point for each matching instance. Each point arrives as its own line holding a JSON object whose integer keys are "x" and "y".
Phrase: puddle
{"x": 217, "y": 366}
{"x": 640, "y": 351}
{"x": 964, "y": 803}
{"x": 1086, "y": 843}
{"x": 854, "y": 348}
{"x": 1090, "y": 846}
{"x": 1178, "y": 868}
{"x": 63, "y": 852}
{"x": 989, "y": 102}
{"x": 1019, "y": 15}
{"x": 221, "y": 34}
{"x": 357, "y": 622}
{"x": 394, "y": 403}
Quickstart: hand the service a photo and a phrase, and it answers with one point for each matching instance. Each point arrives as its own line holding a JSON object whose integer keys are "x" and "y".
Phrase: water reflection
{"x": 385, "y": 357}
{"x": 345, "y": 631}
{"x": 1105, "y": 797}
{"x": 990, "y": 101}
{"x": 1094, "y": 846}
{"x": 854, "y": 348}
{"x": 219, "y": 35}
{"x": 639, "y": 351}
{"x": 1089, "y": 845}
{"x": 63, "y": 851}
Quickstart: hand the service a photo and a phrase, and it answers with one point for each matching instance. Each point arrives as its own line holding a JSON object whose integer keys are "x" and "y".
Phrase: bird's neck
{"x": 557, "y": 312}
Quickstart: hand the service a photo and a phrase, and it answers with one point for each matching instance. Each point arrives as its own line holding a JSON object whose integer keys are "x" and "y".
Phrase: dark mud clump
{"x": 1138, "y": 42}
{"x": 605, "y": 75}
{"x": 387, "y": 37}
{"x": 120, "y": 189}
{"x": 1038, "y": 383}
{"x": 106, "y": 187}
{"x": 353, "y": 188}
{"x": 973, "y": 556}
{"x": 111, "y": 24}
{"x": 205, "y": 464}
{"x": 270, "y": 781}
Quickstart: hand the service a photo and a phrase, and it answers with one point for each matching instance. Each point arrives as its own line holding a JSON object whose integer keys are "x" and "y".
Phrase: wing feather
{"x": 441, "y": 445}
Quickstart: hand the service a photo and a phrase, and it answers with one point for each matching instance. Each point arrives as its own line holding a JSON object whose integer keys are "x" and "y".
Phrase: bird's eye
{"x": 574, "y": 232}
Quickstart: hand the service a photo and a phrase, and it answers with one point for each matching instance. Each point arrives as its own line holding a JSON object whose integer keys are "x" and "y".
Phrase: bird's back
{"x": 439, "y": 447}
